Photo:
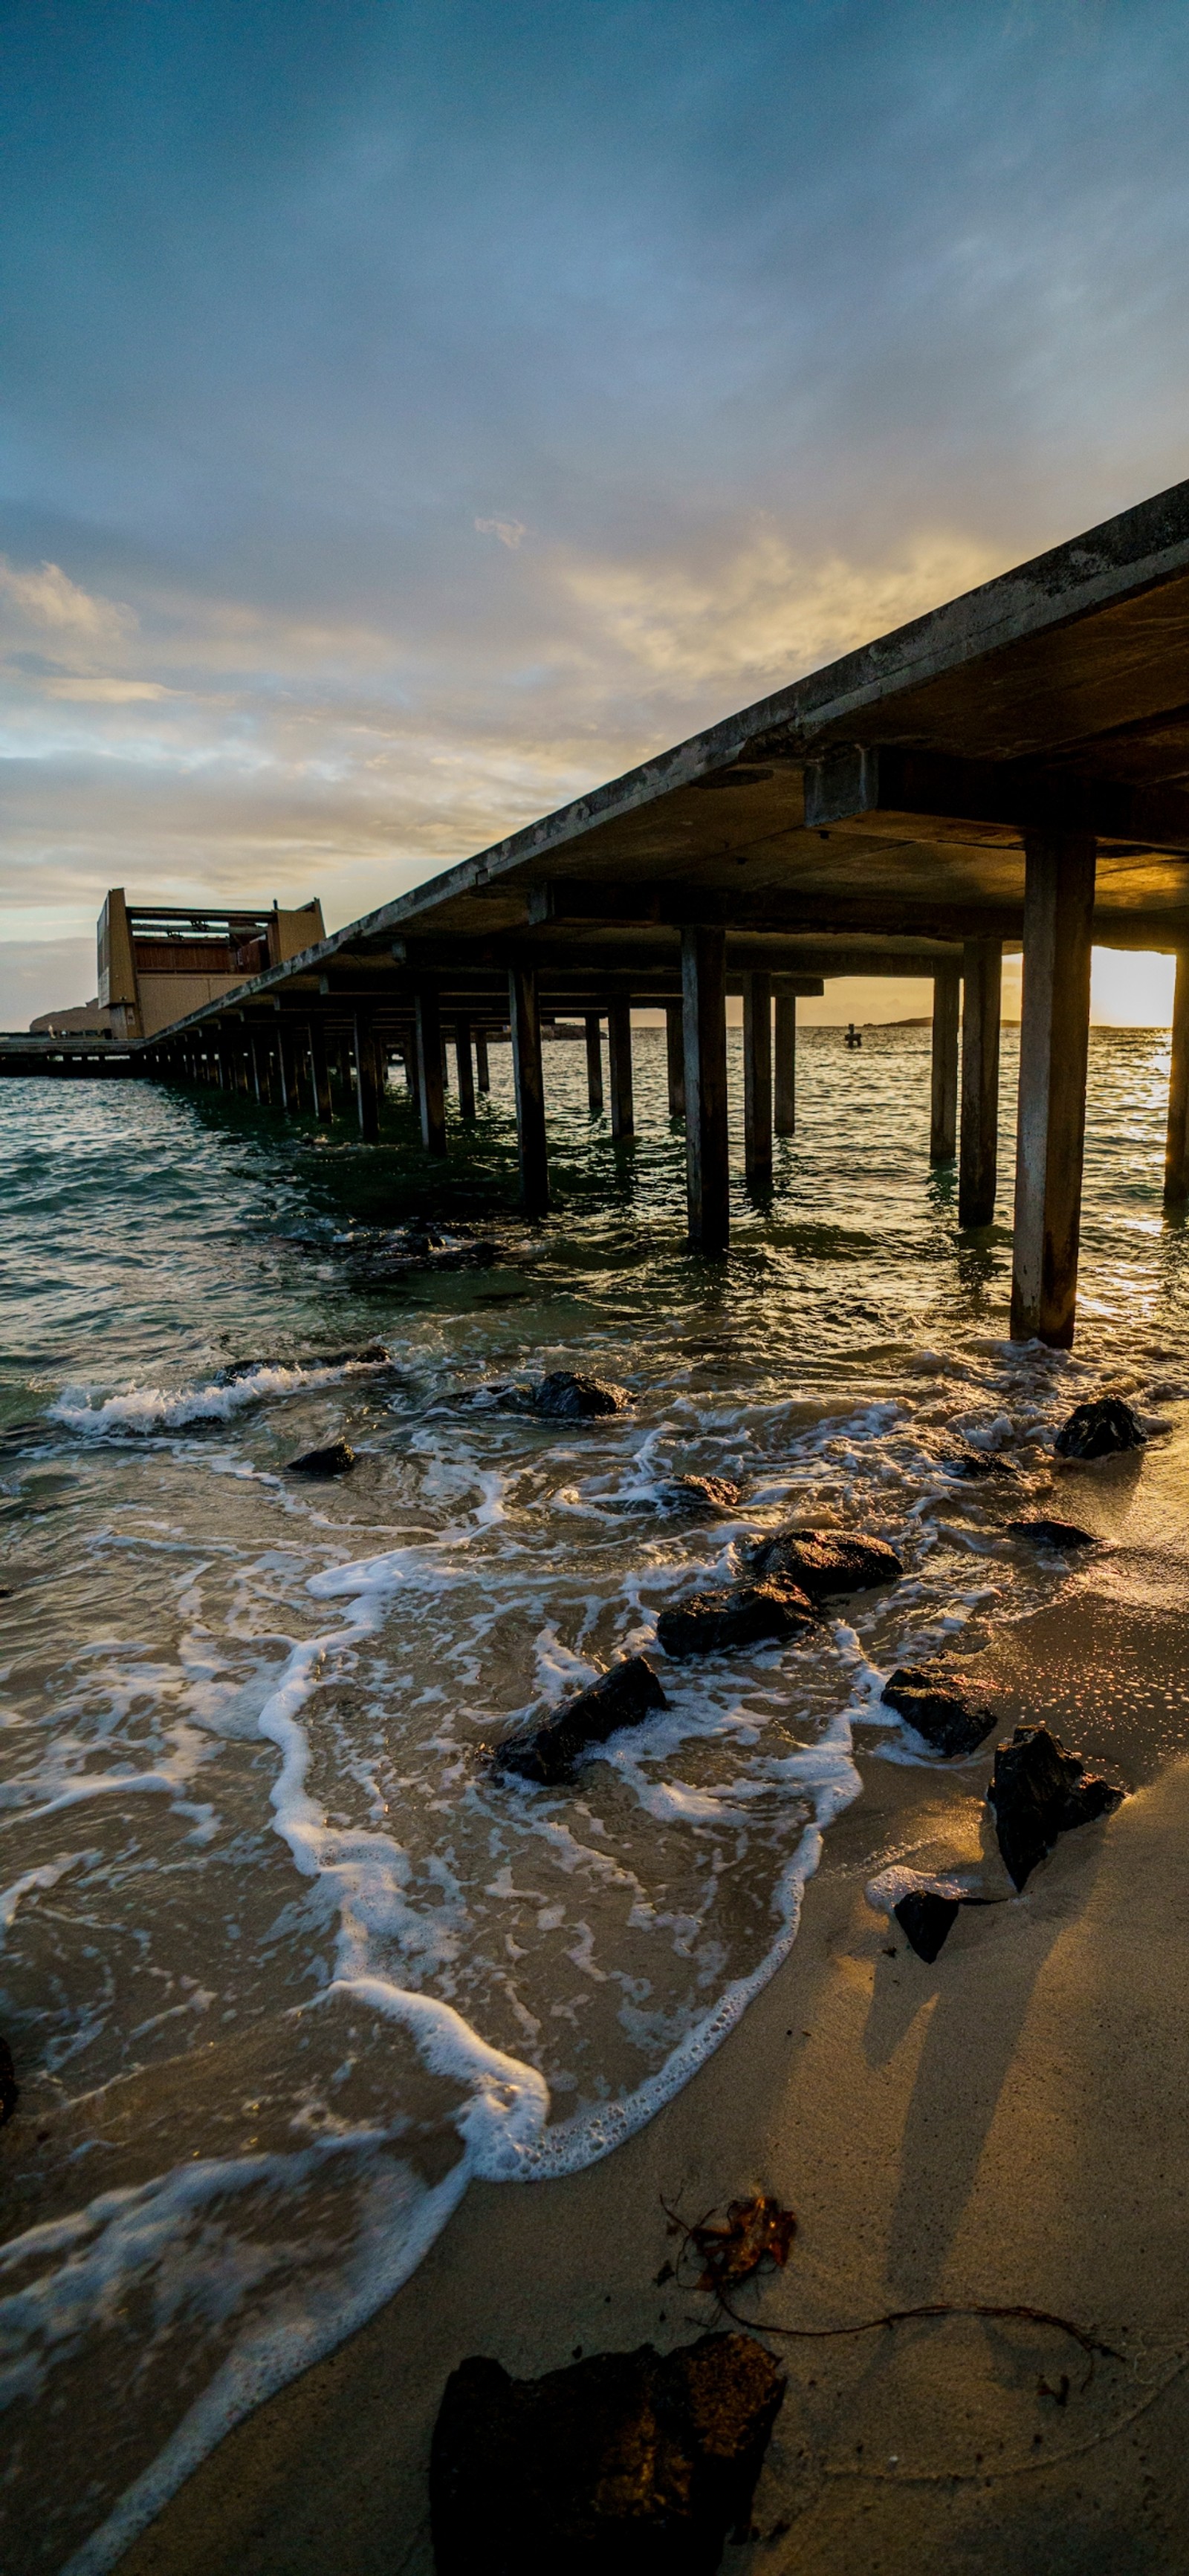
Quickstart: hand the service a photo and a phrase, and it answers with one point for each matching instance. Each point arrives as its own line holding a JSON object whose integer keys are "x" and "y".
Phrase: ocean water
{"x": 284, "y": 1964}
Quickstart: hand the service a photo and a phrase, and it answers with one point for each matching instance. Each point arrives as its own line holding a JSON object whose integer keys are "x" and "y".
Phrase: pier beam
{"x": 320, "y": 1071}
{"x": 1054, "y": 1046}
{"x": 482, "y": 1067}
{"x": 430, "y": 1087}
{"x": 619, "y": 1058}
{"x": 943, "y": 1122}
{"x": 466, "y": 1071}
{"x": 529, "y": 1075}
{"x": 703, "y": 986}
{"x": 978, "y": 1151}
{"x": 367, "y": 1078}
{"x": 675, "y": 1059}
{"x": 786, "y": 1061}
{"x": 757, "y": 1081}
{"x": 594, "y": 1064}
{"x": 1176, "y": 1151}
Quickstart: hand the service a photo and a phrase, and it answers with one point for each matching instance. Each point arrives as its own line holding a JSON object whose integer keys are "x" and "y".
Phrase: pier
{"x": 1005, "y": 773}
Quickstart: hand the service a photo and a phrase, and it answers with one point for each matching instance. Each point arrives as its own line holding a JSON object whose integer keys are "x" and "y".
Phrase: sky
{"x": 412, "y": 415}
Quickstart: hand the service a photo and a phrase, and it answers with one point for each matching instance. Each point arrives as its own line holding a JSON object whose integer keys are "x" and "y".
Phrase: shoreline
{"x": 1006, "y": 2126}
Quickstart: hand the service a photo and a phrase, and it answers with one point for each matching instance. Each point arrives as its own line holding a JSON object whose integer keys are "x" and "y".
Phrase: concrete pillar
{"x": 943, "y": 1123}
{"x": 482, "y": 1067}
{"x": 786, "y": 1061}
{"x": 430, "y": 1088}
{"x": 367, "y": 1078}
{"x": 675, "y": 1059}
{"x": 529, "y": 1074}
{"x": 619, "y": 1063}
{"x": 703, "y": 984}
{"x": 254, "y": 1053}
{"x": 1176, "y": 1151}
{"x": 466, "y": 1071}
{"x": 978, "y": 1153}
{"x": 594, "y": 1064}
{"x": 1054, "y": 1045}
{"x": 320, "y": 1071}
{"x": 757, "y": 1081}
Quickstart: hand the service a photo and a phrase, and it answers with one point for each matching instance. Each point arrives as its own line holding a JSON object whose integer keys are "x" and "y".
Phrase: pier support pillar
{"x": 703, "y": 986}
{"x": 482, "y": 1067}
{"x": 466, "y": 1071}
{"x": 252, "y": 1049}
{"x": 319, "y": 1071}
{"x": 786, "y": 1061}
{"x": 675, "y": 1059}
{"x": 619, "y": 1057}
{"x": 943, "y": 1122}
{"x": 1054, "y": 1045}
{"x": 594, "y": 1064}
{"x": 978, "y": 1151}
{"x": 1176, "y": 1151}
{"x": 757, "y": 1081}
{"x": 367, "y": 1078}
{"x": 430, "y": 1087}
{"x": 529, "y": 1077}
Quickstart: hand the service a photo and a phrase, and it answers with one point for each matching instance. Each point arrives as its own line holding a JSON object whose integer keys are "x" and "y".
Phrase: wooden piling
{"x": 594, "y": 1064}
{"x": 430, "y": 1089}
{"x": 1054, "y": 1047}
{"x": 466, "y": 1071}
{"x": 529, "y": 1076}
{"x": 619, "y": 1062}
{"x": 978, "y": 1153}
{"x": 320, "y": 1071}
{"x": 786, "y": 1061}
{"x": 675, "y": 1059}
{"x": 943, "y": 1123}
{"x": 367, "y": 1078}
{"x": 482, "y": 1066}
{"x": 1176, "y": 1152}
{"x": 703, "y": 985}
{"x": 757, "y": 1081}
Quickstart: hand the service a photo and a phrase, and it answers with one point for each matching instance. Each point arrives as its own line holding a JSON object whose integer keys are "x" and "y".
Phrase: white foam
{"x": 155, "y": 1408}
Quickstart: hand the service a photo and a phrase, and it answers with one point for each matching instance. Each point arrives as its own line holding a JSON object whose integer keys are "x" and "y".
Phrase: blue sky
{"x": 410, "y": 415}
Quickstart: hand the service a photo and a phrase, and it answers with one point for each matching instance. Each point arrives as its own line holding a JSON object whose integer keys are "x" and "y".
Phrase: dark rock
{"x": 336, "y": 1460}
{"x": 236, "y": 1369}
{"x": 1051, "y": 1533}
{"x": 938, "y": 1709}
{"x": 1100, "y": 1430}
{"x": 1038, "y": 1791}
{"x": 975, "y": 1463}
{"x": 624, "y": 2465}
{"x": 707, "y": 1496}
{"x": 926, "y": 1920}
{"x": 10, "y": 2091}
{"x": 736, "y": 1614}
{"x": 824, "y": 1561}
{"x": 624, "y": 1696}
{"x": 566, "y": 1396}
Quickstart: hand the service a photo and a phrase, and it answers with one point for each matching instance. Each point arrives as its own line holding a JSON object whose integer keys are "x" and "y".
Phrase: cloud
{"x": 511, "y": 532}
{"x": 47, "y": 597}
{"x": 97, "y": 691}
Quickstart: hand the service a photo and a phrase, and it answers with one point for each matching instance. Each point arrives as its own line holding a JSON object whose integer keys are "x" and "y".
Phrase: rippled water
{"x": 283, "y": 1963}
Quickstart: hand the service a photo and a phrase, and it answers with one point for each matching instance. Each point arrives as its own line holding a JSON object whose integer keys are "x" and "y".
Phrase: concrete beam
{"x": 879, "y": 783}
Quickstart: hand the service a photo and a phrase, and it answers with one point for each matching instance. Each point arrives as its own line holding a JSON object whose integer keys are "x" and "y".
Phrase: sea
{"x": 285, "y": 1960}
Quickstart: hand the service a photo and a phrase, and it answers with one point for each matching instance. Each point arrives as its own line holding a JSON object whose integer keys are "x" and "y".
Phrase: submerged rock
{"x": 710, "y": 1497}
{"x": 938, "y": 1709}
{"x": 735, "y": 1614}
{"x": 1100, "y": 1430}
{"x": 335, "y": 1460}
{"x": 624, "y": 2465}
{"x": 1039, "y": 1791}
{"x": 10, "y": 2091}
{"x": 973, "y": 1463}
{"x": 1050, "y": 1533}
{"x": 926, "y": 1920}
{"x": 824, "y": 1561}
{"x": 371, "y": 1355}
{"x": 566, "y": 1396}
{"x": 624, "y": 1696}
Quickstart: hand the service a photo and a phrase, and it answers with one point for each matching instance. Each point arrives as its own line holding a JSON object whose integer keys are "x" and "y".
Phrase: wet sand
{"x": 1007, "y": 2126}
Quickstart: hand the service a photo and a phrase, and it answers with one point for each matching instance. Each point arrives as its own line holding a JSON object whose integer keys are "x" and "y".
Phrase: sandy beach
{"x": 1005, "y": 2127}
